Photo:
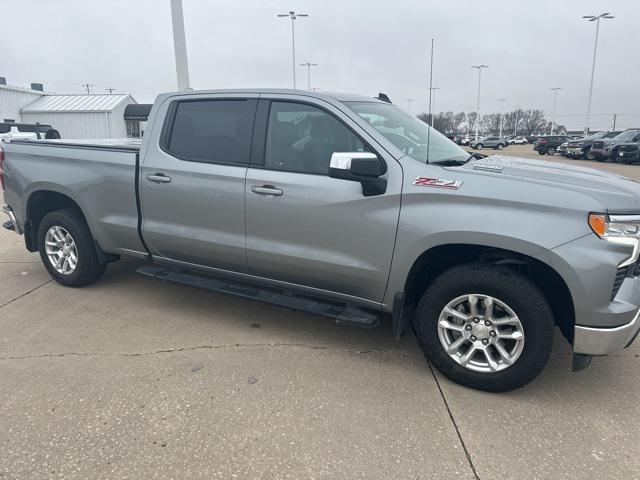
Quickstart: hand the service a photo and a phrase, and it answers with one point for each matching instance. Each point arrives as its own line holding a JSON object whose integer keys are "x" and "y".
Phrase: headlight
{"x": 619, "y": 229}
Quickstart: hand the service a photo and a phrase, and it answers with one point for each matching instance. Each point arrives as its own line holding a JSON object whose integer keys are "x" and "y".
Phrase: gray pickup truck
{"x": 347, "y": 207}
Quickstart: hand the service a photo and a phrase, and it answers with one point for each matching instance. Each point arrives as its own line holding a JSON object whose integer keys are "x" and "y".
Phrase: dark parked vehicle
{"x": 604, "y": 149}
{"x": 581, "y": 147}
{"x": 27, "y": 131}
{"x": 628, "y": 153}
{"x": 549, "y": 144}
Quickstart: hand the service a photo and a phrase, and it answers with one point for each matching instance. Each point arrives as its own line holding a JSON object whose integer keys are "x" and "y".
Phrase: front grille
{"x": 628, "y": 148}
{"x": 621, "y": 274}
{"x": 597, "y": 145}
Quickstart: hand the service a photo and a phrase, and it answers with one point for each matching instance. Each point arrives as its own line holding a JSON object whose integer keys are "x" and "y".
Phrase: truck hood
{"x": 618, "y": 194}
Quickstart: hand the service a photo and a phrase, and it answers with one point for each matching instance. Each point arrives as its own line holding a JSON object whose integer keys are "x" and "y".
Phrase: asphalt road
{"x": 134, "y": 379}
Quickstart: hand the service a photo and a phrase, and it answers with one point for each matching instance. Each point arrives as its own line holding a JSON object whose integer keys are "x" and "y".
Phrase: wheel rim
{"x": 481, "y": 333}
{"x": 61, "y": 250}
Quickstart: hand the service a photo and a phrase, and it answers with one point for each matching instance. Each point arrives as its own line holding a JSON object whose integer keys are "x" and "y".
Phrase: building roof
{"x": 21, "y": 89}
{"x": 76, "y": 103}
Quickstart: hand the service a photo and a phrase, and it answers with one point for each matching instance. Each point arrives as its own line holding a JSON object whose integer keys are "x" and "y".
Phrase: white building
{"x": 14, "y": 99}
{"x": 81, "y": 116}
{"x": 74, "y": 116}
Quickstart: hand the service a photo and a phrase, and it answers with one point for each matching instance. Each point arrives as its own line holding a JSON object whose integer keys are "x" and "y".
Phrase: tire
{"x": 551, "y": 151}
{"x": 499, "y": 146}
{"x": 52, "y": 134}
{"x": 508, "y": 287}
{"x": 73, "y": 231}
{"x": 479, "y": 146}
{"x": 541, "y": 152}
{"x": 587, "y": 155}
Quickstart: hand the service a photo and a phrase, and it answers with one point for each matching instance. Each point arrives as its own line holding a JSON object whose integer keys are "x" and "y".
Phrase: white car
{"x": 26, "y": 131}
{"x": 518, "y": 141}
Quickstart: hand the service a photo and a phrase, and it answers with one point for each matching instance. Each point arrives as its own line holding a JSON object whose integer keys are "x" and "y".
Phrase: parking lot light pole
{"x": 479, "y": 68}
{"x": 553, "y": 114}
{"x": 501, "y": 100}
{"x": 308, "y": 65}
{"x": 179, "y": 45}
{"x": 293, "y": 15}
{"x": 593, "y": 18}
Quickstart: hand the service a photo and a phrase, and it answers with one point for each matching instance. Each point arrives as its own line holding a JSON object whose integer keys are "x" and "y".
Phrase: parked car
{"x": 581, "y": 148}
{"x": 605, "y": 149}
{"x": 26, "y": 131}
{"x": 549, "y": 144}
{"x": 466, "y": 140}
{"x": 532, "y": 138}
{"x": 629, "y": 153}
{"x": 519, "y": 140}
{"x": 452, "y": 137}
{"x": 318, "y": 202}
{"x": 497, "y": 143}
{"x": 562, "y": 149}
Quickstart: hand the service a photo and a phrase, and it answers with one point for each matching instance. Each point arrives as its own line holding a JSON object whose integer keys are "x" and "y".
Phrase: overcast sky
{"x": 361, "y": 46}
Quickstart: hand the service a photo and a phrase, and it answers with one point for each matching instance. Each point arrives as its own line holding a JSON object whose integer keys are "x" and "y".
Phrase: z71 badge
{"x": 437, "y": 182}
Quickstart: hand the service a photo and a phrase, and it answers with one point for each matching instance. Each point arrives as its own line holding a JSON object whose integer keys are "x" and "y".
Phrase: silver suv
{"x": 497, "y": 143}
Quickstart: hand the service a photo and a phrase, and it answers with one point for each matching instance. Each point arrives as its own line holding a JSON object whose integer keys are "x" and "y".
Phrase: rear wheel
{"x": 485, "y": 327}
{"x": 500, "y": 146}
{"x": 67, "y": 249}
{"x": 541, "y": 152}
{"x": 551, "y": 151}
{"x": 479, "y": 145}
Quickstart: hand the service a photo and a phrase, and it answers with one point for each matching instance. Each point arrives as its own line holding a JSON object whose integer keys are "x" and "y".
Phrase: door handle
{"x": 158, "y": 178}
{"x": 267, "y": 190}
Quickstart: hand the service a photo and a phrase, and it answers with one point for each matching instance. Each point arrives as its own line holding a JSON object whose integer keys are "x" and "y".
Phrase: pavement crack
{"x": 26, "y": 293}
{"x": 193, "y": 348}
{"x": 455, "y": 424}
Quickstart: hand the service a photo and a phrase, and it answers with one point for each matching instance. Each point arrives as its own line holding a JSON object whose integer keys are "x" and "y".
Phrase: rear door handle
{"x": 267, "y": 190}
{"x": 159, "y": 178}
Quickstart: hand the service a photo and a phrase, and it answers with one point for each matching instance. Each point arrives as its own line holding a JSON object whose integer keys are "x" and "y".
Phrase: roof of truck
{"x": 340, "y": 96}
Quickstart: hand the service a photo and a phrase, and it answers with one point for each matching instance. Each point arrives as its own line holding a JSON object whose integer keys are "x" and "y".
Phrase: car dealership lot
{"x": 134, "y": 379}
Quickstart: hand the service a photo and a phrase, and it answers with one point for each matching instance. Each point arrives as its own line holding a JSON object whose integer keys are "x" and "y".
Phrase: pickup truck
{"x": 347, "y": 207}
{"x": 607, "y": 148}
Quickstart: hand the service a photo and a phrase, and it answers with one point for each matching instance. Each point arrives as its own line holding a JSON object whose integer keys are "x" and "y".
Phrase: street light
{"x": 308, "y": 65}
{"x": 593, "y": 18}
{"x": 555, "y": 100}
{"x": 293, "y": 15}
{"x": 479, "y": 68}
{"x": 501, "y": 100}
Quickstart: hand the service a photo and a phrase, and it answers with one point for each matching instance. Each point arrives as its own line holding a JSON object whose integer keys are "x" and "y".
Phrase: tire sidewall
{"x": 506, "y": 286}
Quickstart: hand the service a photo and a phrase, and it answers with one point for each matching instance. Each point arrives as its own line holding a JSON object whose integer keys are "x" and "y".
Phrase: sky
{"x": 360, "y": 46}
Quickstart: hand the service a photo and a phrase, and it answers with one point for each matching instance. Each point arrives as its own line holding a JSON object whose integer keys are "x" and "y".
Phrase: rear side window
{"x": 4, "y": 128}
{"x": 211, "y": 131}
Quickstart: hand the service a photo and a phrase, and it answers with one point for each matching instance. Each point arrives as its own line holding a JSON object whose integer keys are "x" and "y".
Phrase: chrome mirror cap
{"x": 342, "y": 160}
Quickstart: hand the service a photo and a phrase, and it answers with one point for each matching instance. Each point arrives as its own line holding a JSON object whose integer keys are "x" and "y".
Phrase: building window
{"x": 133, "y": 128}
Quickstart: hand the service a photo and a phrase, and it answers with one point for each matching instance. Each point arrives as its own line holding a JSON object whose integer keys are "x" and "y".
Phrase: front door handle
{"x": 267, "y": 190}
{"x": 159, "y": 178}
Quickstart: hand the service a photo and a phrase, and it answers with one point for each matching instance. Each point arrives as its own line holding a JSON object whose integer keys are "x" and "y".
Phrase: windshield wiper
{"x": 452, "y": 162}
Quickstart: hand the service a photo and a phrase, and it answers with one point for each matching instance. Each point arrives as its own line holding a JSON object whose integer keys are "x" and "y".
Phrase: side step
{"x": 343, "y": 314}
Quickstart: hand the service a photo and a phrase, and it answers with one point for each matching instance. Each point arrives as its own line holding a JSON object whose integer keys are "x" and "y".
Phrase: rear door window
{"x": 211, "y": 131}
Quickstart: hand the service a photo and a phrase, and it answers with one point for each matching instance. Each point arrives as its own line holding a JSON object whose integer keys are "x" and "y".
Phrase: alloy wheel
{"x": 481, "y": 333}
{"x": 61, "y": 250}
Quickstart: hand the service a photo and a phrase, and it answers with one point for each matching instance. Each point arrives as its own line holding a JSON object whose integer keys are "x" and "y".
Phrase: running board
{"x": 343, "y": 314}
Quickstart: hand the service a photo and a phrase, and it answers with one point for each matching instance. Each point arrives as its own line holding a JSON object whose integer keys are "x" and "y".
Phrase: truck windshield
{"x": 412, "y": 136}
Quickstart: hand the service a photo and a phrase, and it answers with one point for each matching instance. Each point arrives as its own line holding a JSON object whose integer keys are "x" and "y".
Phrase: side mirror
{"x": 363, "y": 167}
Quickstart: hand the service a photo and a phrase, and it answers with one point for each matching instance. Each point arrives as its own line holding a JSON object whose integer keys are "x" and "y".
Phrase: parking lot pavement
{"x": 129, "y": 378}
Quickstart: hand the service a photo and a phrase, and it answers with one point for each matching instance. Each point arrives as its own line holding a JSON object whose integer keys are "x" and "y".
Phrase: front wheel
{"x": 541, "y": 152}
{"x": 551, "y": 151}
{"x": 499, "y": 146}
{"x": 67, "y": 249}
{"x": 479, "y": 145}
{"x": 485, "y": 326}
